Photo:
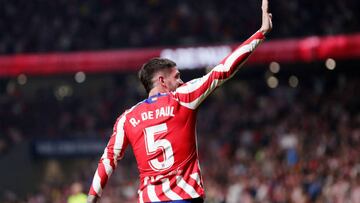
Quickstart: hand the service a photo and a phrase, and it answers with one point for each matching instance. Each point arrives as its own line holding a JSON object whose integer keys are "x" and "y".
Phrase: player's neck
{"x": 157, "y": 90}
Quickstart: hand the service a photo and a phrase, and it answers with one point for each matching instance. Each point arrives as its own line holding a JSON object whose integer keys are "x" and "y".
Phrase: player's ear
{"x": 161, "y": 81}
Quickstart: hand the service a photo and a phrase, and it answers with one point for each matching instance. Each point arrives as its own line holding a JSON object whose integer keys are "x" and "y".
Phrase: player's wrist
{"x": 92, "y": 198}
{"x": 264, "y": 32}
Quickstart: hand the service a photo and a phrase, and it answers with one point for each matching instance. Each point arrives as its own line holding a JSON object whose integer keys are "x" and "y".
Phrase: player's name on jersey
{"x": 165, "y": 111}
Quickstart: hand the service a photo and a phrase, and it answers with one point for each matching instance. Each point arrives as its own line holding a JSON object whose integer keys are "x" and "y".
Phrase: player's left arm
{"x": 192, "y": 93}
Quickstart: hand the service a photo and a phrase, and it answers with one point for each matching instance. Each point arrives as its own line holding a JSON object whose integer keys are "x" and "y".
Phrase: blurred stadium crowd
{"x": 256, "y": 144}
{"x": 68, "y": 25}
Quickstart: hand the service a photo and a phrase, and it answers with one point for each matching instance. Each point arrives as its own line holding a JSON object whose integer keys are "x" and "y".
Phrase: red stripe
{"x": 220, "y": 75}
{"x": 110, "y": 156}
{"x": 92, "y": 191}
{"x": 102, "y": 174}
{"x": 110, "y": 151}
{"x": 178, "y": 190}
{"x": 159, "y": 192}
{"x": 194, "y": 184}
{"x": 214, "y": 75}
{"x": 192, "y": 96}
{"x": 145, "y": 195}
{"x": 258, "y": 35}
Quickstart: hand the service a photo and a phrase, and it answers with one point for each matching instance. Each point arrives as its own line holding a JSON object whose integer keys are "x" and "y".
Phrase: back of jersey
{"x": 162, "y": 135}
{"x": 161, "y": 130}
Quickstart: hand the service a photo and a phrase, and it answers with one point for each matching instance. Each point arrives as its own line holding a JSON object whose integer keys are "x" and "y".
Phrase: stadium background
{"x": 285, "y": 129}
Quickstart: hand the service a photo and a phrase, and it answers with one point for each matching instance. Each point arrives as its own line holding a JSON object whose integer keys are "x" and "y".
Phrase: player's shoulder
{"x": 133, "y": 108}
{"x": 151, "y": 102}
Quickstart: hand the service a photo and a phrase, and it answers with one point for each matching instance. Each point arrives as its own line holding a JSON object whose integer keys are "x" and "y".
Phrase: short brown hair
{"x": 148, "y": 70}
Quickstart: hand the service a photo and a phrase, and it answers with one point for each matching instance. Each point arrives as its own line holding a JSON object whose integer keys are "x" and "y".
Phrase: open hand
{"x": 266, "y": 25}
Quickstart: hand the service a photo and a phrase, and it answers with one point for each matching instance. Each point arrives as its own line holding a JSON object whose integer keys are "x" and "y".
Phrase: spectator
{"x": 77, "y": 195}
{"x": 322, "y": 127}
{"x": 91, "y": 25}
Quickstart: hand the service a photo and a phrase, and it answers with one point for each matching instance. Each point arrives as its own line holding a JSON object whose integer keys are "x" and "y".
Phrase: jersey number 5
{"x": 153, "y": 145}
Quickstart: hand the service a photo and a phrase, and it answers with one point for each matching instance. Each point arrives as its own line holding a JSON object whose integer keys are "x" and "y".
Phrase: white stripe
{"x": 167, "y": 190}
{"x": 146, "y": 180}
{"x": 96, "y": 184}
{"x": 152, "y": 194}
{"x": 186, "y": 187}
{"x": 240, "y": 51}
{"x": 141, "y": 199}
{"x": 215, "y": 83}
{"x": 119, "y": 137}
{"x": 196, "y": 83}
{"x": 193, "y": 85}
{"x": 140, "y": 192}
{"x": 196, "y": 177}
{"x": 107, "y": 166}
{"x": 118, "y": 145}
{"x": 194, "y": 104}
{"x": 104, "y": 156}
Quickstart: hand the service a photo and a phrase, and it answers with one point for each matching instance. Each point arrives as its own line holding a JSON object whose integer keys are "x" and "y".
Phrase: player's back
{"x": 161, "y": 130}
{"x": 162, "y": 135}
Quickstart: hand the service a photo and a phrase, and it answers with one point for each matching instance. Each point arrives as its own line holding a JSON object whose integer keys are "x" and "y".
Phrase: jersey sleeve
{"x": 192, "y": 93}
{"x": 113, "y": 152}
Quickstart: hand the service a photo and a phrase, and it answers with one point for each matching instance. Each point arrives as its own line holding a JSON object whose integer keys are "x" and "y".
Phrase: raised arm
{"x": 192, "y": 93}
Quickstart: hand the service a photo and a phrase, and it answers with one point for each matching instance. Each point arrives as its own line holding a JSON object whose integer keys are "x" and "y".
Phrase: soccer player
{"x": 161, "y": 128}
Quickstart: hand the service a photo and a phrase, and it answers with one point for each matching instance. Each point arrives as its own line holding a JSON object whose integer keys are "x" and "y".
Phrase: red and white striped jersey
{"x": 161, "y": 131}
